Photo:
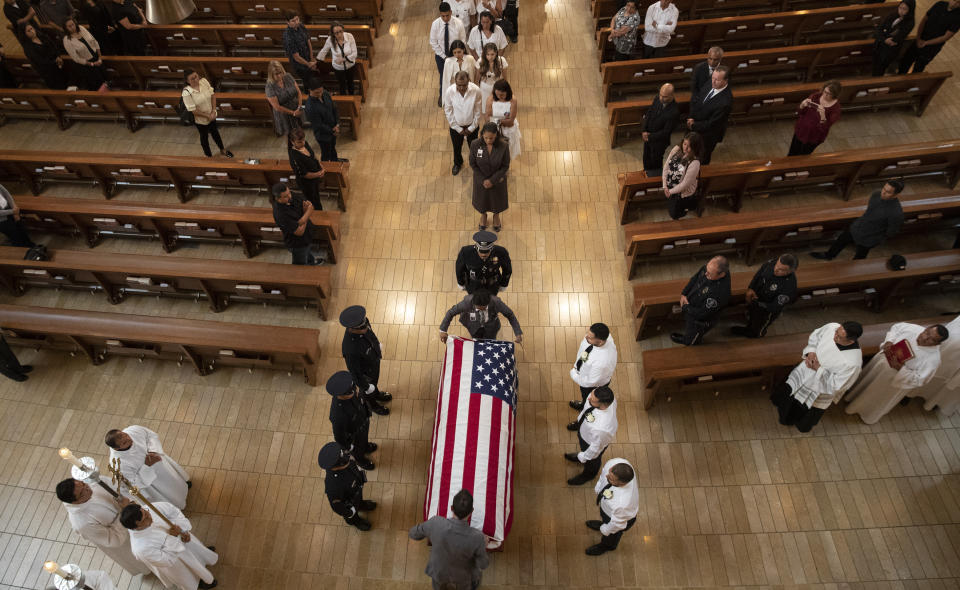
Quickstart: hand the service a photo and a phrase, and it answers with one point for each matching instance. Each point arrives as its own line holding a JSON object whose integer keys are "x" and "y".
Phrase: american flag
{"x": 473, "y": 434}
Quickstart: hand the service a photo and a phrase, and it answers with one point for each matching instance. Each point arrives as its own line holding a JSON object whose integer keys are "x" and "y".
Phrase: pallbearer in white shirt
{"x": 95, "y": 515}
{"x": 595, "y": 363}
{"x": 831, "y": 365}
{"x": 943, "y": 390}
{"x": 143, "y": 462}
{"x": 596, "y": 427}
{"x": 881, "y": 387}
{"x": 174, "y": 555}
{"x": 444, "y": 30}
{"x": 619, "y": 502}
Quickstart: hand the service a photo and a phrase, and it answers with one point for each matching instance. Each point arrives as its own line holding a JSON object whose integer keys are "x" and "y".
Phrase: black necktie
{"x": 446, "y": 39}
{"x": 600, "y": 495}
{"x": 584, "y": 417}
{"x": 580, "y": 360}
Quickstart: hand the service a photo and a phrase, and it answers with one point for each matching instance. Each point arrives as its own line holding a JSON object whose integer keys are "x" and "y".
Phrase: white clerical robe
{"x": 838, "y": 370}
{"x": 164, "y": 481}
{"x": 98, "y": 520}
{"x": 880, "y": 387}
{"x": 943, "y": 390}
{"x": 174, "y": 562}
{"x": 93, "y": 579}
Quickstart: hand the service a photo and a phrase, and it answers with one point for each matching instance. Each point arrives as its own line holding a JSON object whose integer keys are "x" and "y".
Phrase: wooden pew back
{"x": 272, "y": 11}
{"x": 259, "y": 40}
{"x": 604, "y": 10}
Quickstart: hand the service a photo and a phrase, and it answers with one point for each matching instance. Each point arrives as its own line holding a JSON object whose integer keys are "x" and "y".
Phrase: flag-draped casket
{"x": 473, "y": 434}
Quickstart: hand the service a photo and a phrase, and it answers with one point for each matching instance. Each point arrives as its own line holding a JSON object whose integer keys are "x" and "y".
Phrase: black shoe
{"x": 572, "y": 457}
{"x": 577, "y": 404}
{"x": 371, "y": 447}
{"x": 365, "y": 464}
{"x": 383, "y": 396}
{"x": 572, "y": 427}
{"x": 740, "y": 331}
{"x": 189, "y": 484}
{"x": 361, "y": 523}
{"x": 342, "y": 160}
{"x": 212, "y": 548}
{"x": 367, "y": 505}
{"x": 578, "y": 480}
{"x": 456, "y": 169}
{"x": 678, "y": 338}
{"x": 204, "y": 586}
{"x": 18, "y": 377}
{"x": 440, "y": 102}
{"x": 26, "y": 369}
{"x": 596, "y": 550}
{"x": 513, "y": 39}
{"x": 594, "y": 524}
{"x": 227, "y": 153}
{"x": 821, "y": 256}
{"x": 379, "y": 410}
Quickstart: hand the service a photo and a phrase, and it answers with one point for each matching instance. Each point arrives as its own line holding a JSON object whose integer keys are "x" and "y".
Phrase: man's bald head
{"x": 666, "y": 93}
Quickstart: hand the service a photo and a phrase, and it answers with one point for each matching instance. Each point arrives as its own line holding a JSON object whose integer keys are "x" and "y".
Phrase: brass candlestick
{"x": 119, "y": 479}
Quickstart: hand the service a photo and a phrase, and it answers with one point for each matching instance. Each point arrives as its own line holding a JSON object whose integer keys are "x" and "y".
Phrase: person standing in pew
{"x": 10, "y": 224}
{"x": 773, "y": 287}
{"x": 20, "y": 14}
{"x": 84, "y": 50}
{"x": 682, "y": 176}
{"x": 889, "y": 37}
{"x": 200, "y": 100}
{"x": 363, "y": 352}
{"x": 292, "y": 216}
{"x": 658, "y": 123}
{"x": 702, "y": 300}
{"x": 305, "y": 165}
{"x": 596, "y": 362}
{"x": 286, "y": 101}
{"x": 101, "y": 26}
{"x": 703, "y": 73}
{"x": 938, "y": 26}
{"x": 658, "y": 26}
{"x": 623, "y": 30}
{"x": 131, "y": 22}
{"x": 44, "y": 56}
{"x": 709, "y": 113}
{"x": 831, "y": 364}
{"x": 350, "y": 418}
{"x": 297, "y": 46}
{"x": 343, "y": 55}
{"x": 882, "y": 219}
{"x": 596, "y": 427}
{"x": 816, "y": 114}
{"x": 324, "y": 120}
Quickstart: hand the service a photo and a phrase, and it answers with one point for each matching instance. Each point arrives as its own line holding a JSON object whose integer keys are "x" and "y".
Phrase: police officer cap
{"x": 353, "y": 317}
{"x": 340, "y": 383}
{"x": 329, "y": 455}
{"x": 485, "y": 239}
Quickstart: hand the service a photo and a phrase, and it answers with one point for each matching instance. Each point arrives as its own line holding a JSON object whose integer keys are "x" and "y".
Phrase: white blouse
{"x": 476, "y": 40}
{"x": 337, "y": 56}
{"x": 451, "y": 67}
{"x": 199, "y": 102}
{"x": 75, "y": 49}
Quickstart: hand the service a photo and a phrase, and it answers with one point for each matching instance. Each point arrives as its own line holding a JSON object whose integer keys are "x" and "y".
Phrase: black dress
{"x": 98, "y": 20}
{"x": 43, "y": 57}
{"x": 302, "y": 165}
{"x": 88, "y": 76}
{"x": 6, "y": 77}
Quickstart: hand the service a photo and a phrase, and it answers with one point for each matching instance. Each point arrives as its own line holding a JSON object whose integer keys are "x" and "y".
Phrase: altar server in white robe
{"x": 94, "y": 580}
{"x": 831, "y": 364}
{"x": 881, "y": 387}
{"x": 95, "y": 516}
{"x": 144, "y": 463}
{"x": 943, "y": 390}
{"x": 174, "y": 555}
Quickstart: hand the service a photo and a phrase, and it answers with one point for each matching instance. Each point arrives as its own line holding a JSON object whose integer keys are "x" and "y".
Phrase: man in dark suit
{"x": 703, "y": 71}
{"x": 459, "y": 553}
{"x": 480, "y": 315}
{"x": 658, "y": 124}
{"x": 709, "y": 112}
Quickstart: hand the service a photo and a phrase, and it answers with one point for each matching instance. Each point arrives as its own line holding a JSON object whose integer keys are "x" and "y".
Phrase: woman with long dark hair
{"x": 501, "y": 108}
{"x": 889, "y": 37}
{"x": 343, "y": 55}
{"x": 681, "y": 172}
{"x": 84, "y": 50}
{"x": 485, "y": 32}
{"x": 490, "y": 69}
{"x": 490, "y": 160}
{"x": 44, "y": 56}
{"x": 306, "y": 166}
{"x": 459, "y": 61}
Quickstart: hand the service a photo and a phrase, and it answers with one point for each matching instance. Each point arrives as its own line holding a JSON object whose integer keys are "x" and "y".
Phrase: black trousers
{"x": 361, "y": 442}
{"x": 883, "y": 56}
{"x": 345, "y": 78}
{"x": 843, "y": 240}
{"x": 328, "y": 150}
{"x": 134, "y": 42}
{"x": 650, "y": 52}
{"x": 918, "y": 57}
{"x": 592, "y": 467}
{"x": 678, "y": 207}
{"x": 653, "y": 158}
{"x": 799, "y": 148}
{"x": 457, "y": 140}
{"x": 16, "y": 233}
{"x": 611, "y": 541}
{"x": 512, "y": 13}
{"x": 792, "y": 412}
{"x": 694, "y": 329}
{"x": 758, "y": 320}
{"x": 709, "y": 144}
{"x": 507, "y": 27}
{"x": 304, "y": 72}
{"x": 617, "y": 56}
{"x": 488, "y": 331}
{"x": 585, "y": 391}
{"x": 210, "y": 129}
{"x": 310, "y": 187}
{"x": 9, "y": 365}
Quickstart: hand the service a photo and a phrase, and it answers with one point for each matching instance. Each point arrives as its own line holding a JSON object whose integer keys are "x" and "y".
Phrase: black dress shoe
{"x": 371, "y": 447}
{"x": 740, "y": 331}
{"x": 212, "y": 548}
{"x": 383, "y": 396}
{"x": 820, "y": 256}
{"x": 19, "y": 377}
{"x": 26, "y": 369}
{"x": 367, "y": 505}
{"x": 594, "y": 524}
{"x": 204, "y": 586}
{"x": 678, "y": 338}
{"x": 379, "y": 410}
{"x": 456, "y": 169}
{"x": 228, "y": 153}
{"x": 365, "y": 464}
{"x": 577, "y": 404}
{"x": 342, "y": 160}
{"x": 577, "y": 480}
{"x": 189, "y": 484}
{"x": 596, "y": 550}
{"x": 572, "y": 427}
{"x": 572, "y": 457}
{"x": 361, "y": 523}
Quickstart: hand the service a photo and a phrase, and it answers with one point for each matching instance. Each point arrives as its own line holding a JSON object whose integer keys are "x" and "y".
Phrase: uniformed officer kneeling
{"x": 350, "y": 418}
{"x": 344, "y": 485}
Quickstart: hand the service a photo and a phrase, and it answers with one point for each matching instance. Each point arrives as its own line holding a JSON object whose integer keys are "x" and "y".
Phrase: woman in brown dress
{"x": 490, "y": 160}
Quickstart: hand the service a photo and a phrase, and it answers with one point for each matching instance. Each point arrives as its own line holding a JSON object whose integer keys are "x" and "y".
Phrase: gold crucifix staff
{"x": 119, "y": 478}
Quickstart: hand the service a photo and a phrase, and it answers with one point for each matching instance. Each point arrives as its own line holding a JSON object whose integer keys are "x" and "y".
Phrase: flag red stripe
{"x": 470, "y": 452}
{"x": 493, "y": 469}
{"x": 446, "y": 465}
{"x": 433, "y": 450}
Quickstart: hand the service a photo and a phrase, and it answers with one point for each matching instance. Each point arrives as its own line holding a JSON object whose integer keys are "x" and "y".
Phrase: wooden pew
{"x": 252, "y": 228}
{"x": 138, "y": 106}
{"x": 203, "y": 344}
{"x": 119, "y": 275}
{"x": 799, "y": 63}
{"x": 757, "y": 362}
{"x": 796, "y": 228}
{"x": 166, "y": 72}
{"x": 183, "y": 173}
{"x": 845, "y": 170}
{"x": 604, "y": 10}
{"x": 655, "y": 305}
{"x": 766, "y": 30}
{"x": 313, "y": 12}
{"x": 259, "y": 40}
{"x": 769, "y": 103}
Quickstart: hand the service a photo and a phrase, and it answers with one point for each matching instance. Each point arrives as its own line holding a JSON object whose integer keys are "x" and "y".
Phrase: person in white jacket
{"x": 831, "y": 364}
{"x": 595, "y": 363}
{"x": 143, "y": 462}
{"x": 943, "y": 390}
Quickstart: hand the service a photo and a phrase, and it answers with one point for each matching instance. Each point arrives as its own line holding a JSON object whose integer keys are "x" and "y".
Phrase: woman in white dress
{"x": 460, "y": 61}
{"x": 485, "y": 32}
{"x": 501, "y": 108}
{"x": 491, "y": 68}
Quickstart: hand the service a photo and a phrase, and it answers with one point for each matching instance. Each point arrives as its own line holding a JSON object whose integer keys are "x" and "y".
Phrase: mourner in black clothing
{"x": 6, "y": 77}
{"x": 882, "y": 219}
{"x": 292, "y": 215}
{"x": 710, "y": 111}
{"x": 773, "y": 287}
{"x": 344, "y": 485}
{"x": 101, "y": 26}
{"x": 658, "y": 123}
{"x": 350, "y": 418}
{"x": 703, "y": 72}
{"x": 44, "y": 55}
{"x": 131, "y": 22}
{"x": 889, "y": 37}
{"x": 324, "y": 120}
{"x": 483, "y": 265}
{"x": 702, "y": 300}
{"x": 306, "y": 166}
{"x": 937, "y": 27}
{"x": 362, "y": 352}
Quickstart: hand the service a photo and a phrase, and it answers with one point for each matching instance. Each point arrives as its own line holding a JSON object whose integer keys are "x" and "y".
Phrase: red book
{"x": 899, "y": 353}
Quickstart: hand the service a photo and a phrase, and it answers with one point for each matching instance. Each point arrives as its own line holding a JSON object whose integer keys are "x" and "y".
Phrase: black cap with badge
{"x": 340, "y": 383}
{"x": 329, "y": 455}
{"x": 484, "y": 240}
{"x": 354, "y": 316}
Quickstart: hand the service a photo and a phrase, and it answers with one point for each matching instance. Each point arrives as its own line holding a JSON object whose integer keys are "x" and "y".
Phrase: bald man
{"x": 658, "y": 123}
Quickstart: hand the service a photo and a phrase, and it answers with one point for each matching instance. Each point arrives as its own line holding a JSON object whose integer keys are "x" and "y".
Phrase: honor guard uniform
{"x": 350, "y": 418}
{"x": 596, "y": 427}
{"x": 772, "y": 288}
{"x": 344, "y": 485}
{"x": 483, "y": 265}
{"x": 705, "y": 296}
{"x": 362, "y": 352}
{"x": 619, "y": 501}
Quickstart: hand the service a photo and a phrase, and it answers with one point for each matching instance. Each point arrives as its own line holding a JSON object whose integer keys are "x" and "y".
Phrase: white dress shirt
{"x": 462, "y": 10}
{"x": 462, "y": 110}
{"x": 598, "y": 369}
{"x": 600, "y": 432}
{"x": 457, "y": 31}
{"x": 451, "y": 67}
{"x": 620, "y": 503}
{"x": 659, "y": 36}
{"x": 337, "y": 57}
{"x": 477, "y": 40}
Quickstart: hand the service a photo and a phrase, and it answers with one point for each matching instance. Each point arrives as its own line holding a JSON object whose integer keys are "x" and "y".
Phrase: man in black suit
{"x": 703, "y": 71}
{"x": 658, "y": 124}
{"x": 709, "y": 112}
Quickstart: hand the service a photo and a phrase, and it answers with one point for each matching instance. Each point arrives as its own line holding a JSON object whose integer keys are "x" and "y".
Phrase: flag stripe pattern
{"x": 473, "y": 434}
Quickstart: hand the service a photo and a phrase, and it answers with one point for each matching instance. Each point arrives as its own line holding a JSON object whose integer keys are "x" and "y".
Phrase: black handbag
{"x": 186, "y": 117}
{"x": 38, "y": 252}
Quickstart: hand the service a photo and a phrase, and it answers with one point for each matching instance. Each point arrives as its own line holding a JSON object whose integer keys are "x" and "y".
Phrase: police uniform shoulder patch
{"x": 783, "y": 299}
{"x": 711, "y": 303}
{"x": 773, "y": 286}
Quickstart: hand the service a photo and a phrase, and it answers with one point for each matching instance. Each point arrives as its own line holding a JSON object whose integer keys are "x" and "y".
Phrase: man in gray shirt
{"x": 459, "y": 551}
{"x": 882, "y": 219}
